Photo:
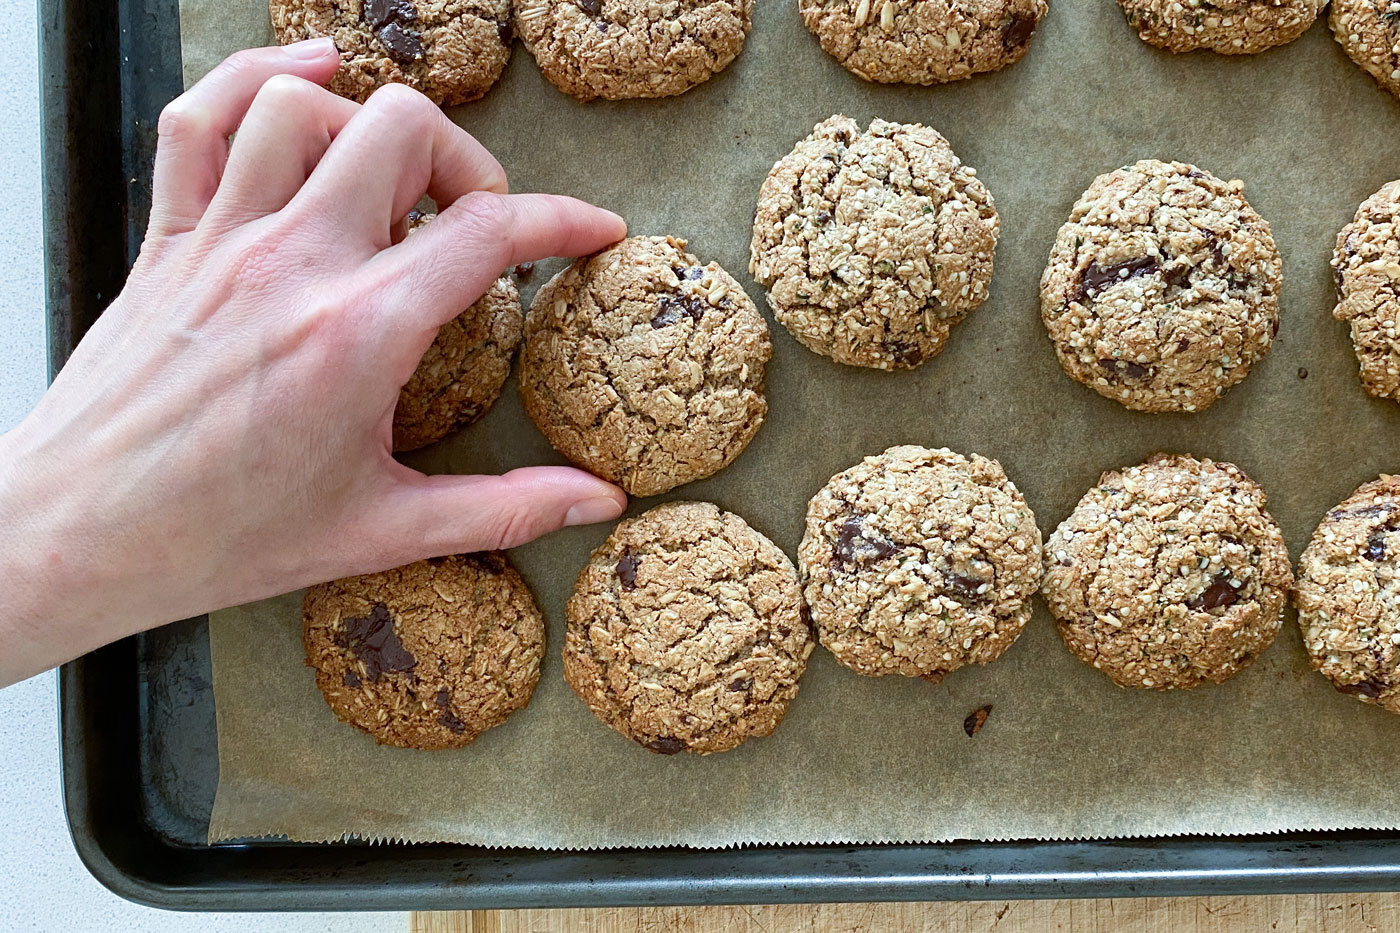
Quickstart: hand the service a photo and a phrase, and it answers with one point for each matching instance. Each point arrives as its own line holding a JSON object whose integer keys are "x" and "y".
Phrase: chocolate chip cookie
{"x": 918, "y": 561}
{"x": 873, "y": 244}
{"x": 429, "y": 655}
{"x": 1230, "y": 27}
{"x": 1367, "y": 266}
{"x": 1169, "y": 574}
{"x": 686, "y": 632}
{"x": 1369, "y": 31}
{"x": 1162, "y": 288}
{"x": 451, "y": 50}
{"x": 645, "y": 366}
{"x": 619, "y": 49}
{"x": 922, "y": 41}
{"x": 461, "y": 374}
{"x": 1348, "y": 595}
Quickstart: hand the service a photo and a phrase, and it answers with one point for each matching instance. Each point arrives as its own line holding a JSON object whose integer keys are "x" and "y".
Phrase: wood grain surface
{"x": 1319, "y": 913}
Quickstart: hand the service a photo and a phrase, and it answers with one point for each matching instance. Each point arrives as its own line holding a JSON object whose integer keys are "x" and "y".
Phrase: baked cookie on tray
{"x": 686, "y": 631}
{"x": 873, "y": 243}
{"x": 918, "y": 561}
{"x": 1348, "y": 594}
{"x": 644, "y": 365}
{"x": 620, "y": 49}
{"x": 429, "y": 655}
{"x": 461, "y": 374}
{"x": 451, "y": 50}
{"x": 1369, "y": 32}
{"x": 1230, "y": 27}
{"x": 1367, "y": 267}
{"x": 1162, "y": 288}
{"x": 1169, "y": 574}
{"x": 922, "y": 41}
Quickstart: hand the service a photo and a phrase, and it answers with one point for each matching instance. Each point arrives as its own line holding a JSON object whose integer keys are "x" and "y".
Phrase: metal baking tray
{"x": 139, "y": 747}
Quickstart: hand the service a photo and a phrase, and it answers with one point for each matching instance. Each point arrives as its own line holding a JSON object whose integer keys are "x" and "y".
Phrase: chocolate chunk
{"x": 1375, "y": 546}
{"x": 1366, "y": 688}
{"x": 907, "y": 354}
{"x": 1366, "y": 512}
{"x": 855, "y": 543}
{"x": 823, "y": 217}
{"x": 505, "y": 31}
{"x": 591, "y": 7}
{"x": 373, "y": 641}
{"x": 392, "y": 22}
{"x": 378, "y": 12}
{"x": 1126, "y": 369}
{"x": 414, "y": 216}
{"x": 627, "y": 570}
{"x": 443, "y": 699}
{"x": 1179, "y": 277}
{"x": 1218, "y": 595}
{"x": 1217, "y": 253}
{"x": 1018, "y": 32}
{"x": 784, "y": 631}
{"x": 351, "y": 679}
{"x": 403, "y": 45}
{"x": 671, "y": 309}
{"x": 1182, "y": 344}
{"x": 741, "y": 685}
{"x": 1097, "y": 278}
{"x": 666, "y": 745}
{"x": 523, "y": 270}
{"x": 976, "y": 720}
{"x": 450, "y": 720}
{"x": 964, "y": 587}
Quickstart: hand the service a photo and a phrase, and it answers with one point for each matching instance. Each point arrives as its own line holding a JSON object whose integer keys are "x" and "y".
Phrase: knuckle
{"x": 177, "y": 119}
{"x": 283, "y": 92}
{"x": 400, "y": 102}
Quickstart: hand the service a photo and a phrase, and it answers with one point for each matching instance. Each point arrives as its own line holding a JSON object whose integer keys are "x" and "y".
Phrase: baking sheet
{"x": 1064, "y": 754}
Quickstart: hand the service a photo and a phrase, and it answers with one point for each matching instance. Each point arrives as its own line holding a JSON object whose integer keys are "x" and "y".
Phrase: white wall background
{"x": 43, "y": 886}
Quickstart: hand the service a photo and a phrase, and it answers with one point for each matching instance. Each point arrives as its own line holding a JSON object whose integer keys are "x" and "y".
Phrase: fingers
{"x": 431, "y": 276}
{"x": 396, "y": 148}
{"x": 289, "y": 127}
{"x": 194, "y": 128}
{"x": 427, "y": 516}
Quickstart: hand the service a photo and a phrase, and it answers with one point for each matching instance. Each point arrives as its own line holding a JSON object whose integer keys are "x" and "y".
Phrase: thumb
{"x": 429, "y": 516}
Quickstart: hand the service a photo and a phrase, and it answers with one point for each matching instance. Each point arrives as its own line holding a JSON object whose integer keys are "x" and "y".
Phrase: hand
{"x": 223, "y": 433}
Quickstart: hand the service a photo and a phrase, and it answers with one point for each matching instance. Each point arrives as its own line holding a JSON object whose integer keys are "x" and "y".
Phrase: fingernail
{"x": 588, "y": 511}
{"x": 310, "y": 49}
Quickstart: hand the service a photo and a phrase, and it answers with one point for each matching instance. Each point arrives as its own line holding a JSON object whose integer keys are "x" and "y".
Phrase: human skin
{"x": 223, "y": 432}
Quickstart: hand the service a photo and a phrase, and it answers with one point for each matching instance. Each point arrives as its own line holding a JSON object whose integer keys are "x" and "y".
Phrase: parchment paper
{"x": 1064, "y": 752}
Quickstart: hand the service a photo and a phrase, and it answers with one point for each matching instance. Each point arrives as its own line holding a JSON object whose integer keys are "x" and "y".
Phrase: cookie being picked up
{"x": 1367, "y": 267}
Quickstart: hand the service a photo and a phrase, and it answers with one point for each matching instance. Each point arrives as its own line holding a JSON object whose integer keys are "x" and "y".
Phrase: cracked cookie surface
{"x": 918, "y": 562}
{"x": 1348, "y": 594}
{"x": 462, "y": 372}
{"x": 686, "y": 631}
{"x": 1162, "y": 288}
{"x": 1230, "y": 27}
{"x": 922, "y": 41}
{"x": 1367, "y": 267}
{"x": 1169, "y": 574}
{"x": 645, "y": 366}
{"x": 429, "y": 655}
{"x": 450, "y": 50}
{"x": 1369, "y": 32}
{"x": 873, "y": 244}
{"x": 619, "y": 49}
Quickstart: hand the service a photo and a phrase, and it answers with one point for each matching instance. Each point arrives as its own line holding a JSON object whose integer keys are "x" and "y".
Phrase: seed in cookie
{"x": 1348, "y": 594}
{"x": 1230, "y": 27}
{"x": 644, "y": 365}
{"x": 1369, "y": 32}
{"x": 918, "y": 561}
{"x": 429, "y": 655}
{"x": 1169, "y": 574}
{"x": 1367, "y": 266}
{"x": 461, "y": 374}
{"x": 873, "y": 244}
{"x": 686, "y": 631}
{"x": 1162, "y": 288}
{"x": 619, "y": 49}
{"x": 451, "y": 50}
{"x": 923, "y": 41}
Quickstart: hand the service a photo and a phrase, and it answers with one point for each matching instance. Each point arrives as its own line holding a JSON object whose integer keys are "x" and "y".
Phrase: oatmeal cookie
{"x": 1367, "y": 266}
{"x": 1230, "y": 27}
{"x": 1369, "y": 32}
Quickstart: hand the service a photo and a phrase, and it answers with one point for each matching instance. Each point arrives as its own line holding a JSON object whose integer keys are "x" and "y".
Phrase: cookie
{"x": 686, "y": 632}
{"x": 619, "y": 49}
{"x": 1369, "y": 31}
{"x": 1162, "y": 288}
{"x": 1367, "y": 267}
{"x": 450, "y": 50}
{"x": 873, "y": 244}
{"x": 429, "y": 655}
{"x": 645, "y": 366}
{"x": 1169, "y": 574}
{"x": 1348, "y": 595}
{"x": 922, "y": 41}
{"x": 918, "y": 562}
{"x": 461, "y": 374}
{"x": 1230, "y": 27}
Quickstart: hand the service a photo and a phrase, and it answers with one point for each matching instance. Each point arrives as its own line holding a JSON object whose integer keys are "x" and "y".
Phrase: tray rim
{"x": 85, "y": 151}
